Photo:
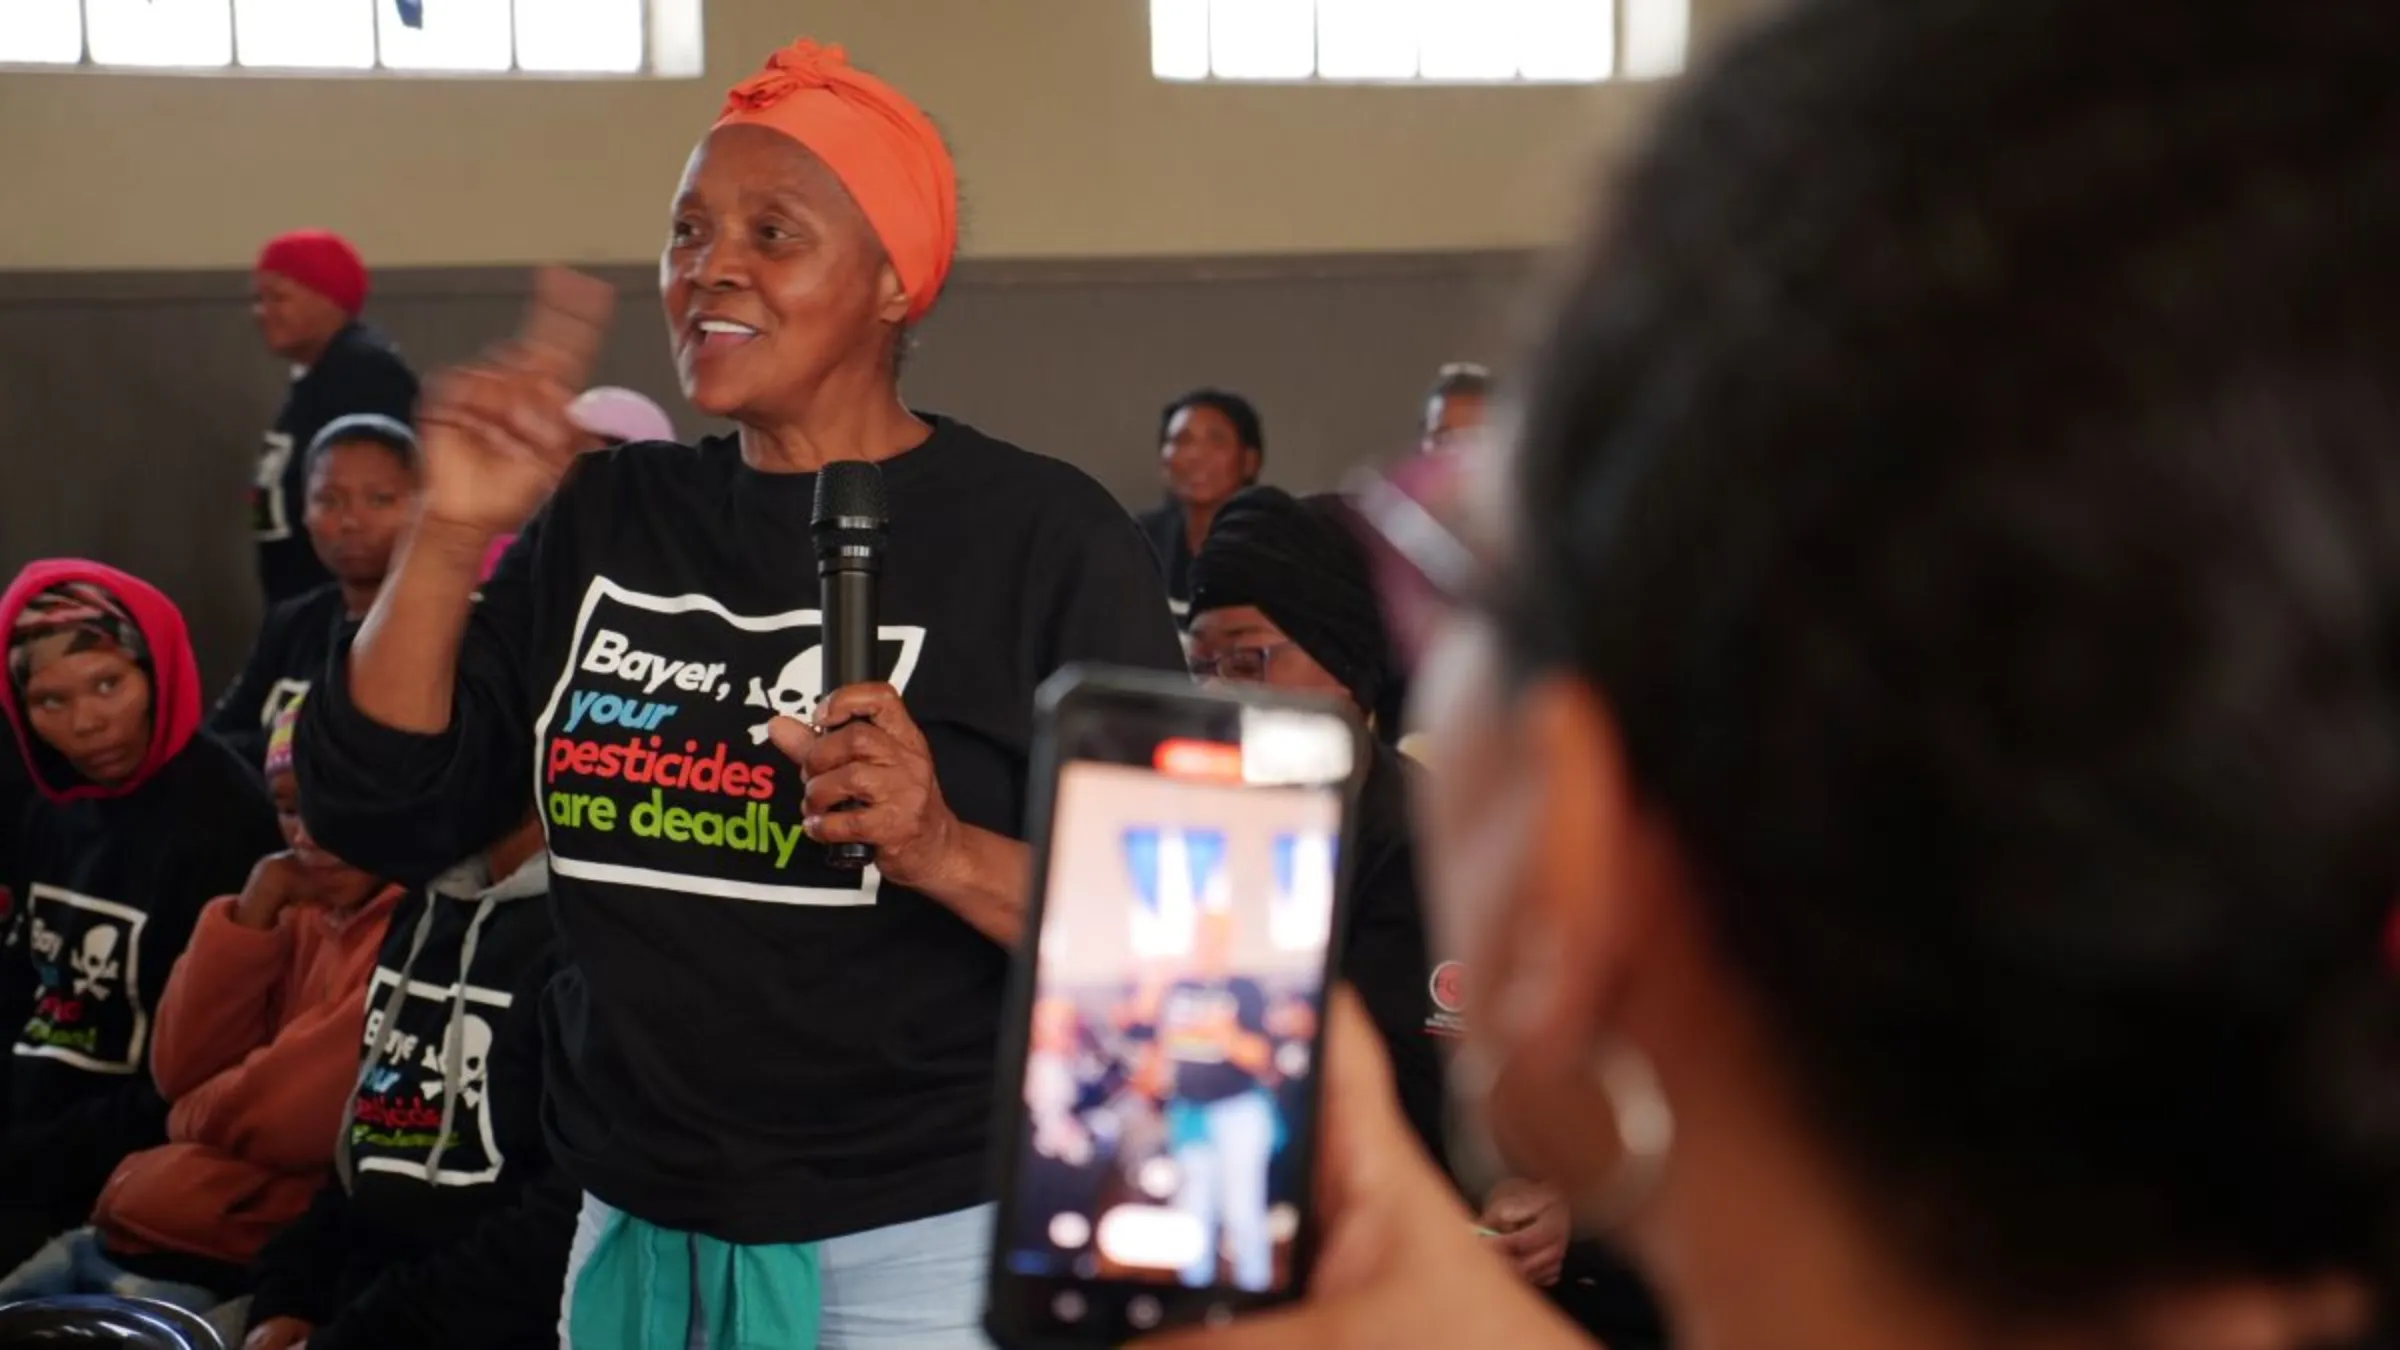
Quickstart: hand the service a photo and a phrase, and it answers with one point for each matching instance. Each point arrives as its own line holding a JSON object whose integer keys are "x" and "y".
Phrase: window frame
{"x": 669, "y": 45}
{"x": 1647, "y": 40}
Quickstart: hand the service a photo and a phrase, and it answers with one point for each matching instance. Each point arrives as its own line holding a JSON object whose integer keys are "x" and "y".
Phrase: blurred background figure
{"x": 618, "y": 416}
{"x": 309, "y": 288}
{"x": 363, "y": 478}
{"x": 1216, "y": 1061}
{"x": 1283, "y": 596}
{"x": 1919, "y": 738}
{"x": 1455, "y": 408}
{"x": 1211, "y": 445}
{"x": 609, "y": 415}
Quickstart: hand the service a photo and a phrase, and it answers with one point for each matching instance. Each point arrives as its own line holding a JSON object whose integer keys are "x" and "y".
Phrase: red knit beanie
{"x": 322, "y": 261}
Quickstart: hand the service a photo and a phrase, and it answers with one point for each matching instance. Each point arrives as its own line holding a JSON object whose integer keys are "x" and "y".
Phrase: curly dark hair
{"x": 1968, "y": 462}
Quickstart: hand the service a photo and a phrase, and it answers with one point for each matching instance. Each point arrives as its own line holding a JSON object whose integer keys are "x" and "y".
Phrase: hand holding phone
{"x": 1400, "y": 1264}
{"x": 1167, "y": 1008}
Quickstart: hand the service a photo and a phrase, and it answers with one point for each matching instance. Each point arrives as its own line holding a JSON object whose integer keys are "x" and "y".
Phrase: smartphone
{"x": 1158, "y": 1085}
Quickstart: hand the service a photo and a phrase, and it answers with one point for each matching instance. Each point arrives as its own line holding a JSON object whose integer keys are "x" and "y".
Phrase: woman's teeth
{"x": 721, "y": 332}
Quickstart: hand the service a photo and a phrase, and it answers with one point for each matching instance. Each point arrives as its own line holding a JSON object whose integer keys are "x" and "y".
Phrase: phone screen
{"x": 1166, "y": 1099}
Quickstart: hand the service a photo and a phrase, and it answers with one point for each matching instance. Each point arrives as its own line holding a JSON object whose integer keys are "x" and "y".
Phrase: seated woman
{"x": 363, "y": 479}
{"x": 138, "y": 822}
{"x": 1919, "y": 726}
{"x": 1281, "y": 596}
{"x": 446, "y": 1225}
{"x": 257, "y": 1048}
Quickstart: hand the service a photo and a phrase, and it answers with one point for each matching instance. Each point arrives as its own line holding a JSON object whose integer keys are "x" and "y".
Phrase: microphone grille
{"x": 849, "y": 490}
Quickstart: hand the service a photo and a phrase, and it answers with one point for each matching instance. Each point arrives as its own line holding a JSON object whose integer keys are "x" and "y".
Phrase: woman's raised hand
{"x": 496, "y": 434}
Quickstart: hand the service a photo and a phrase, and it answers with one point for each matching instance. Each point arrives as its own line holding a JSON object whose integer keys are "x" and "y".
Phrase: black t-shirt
{"x": 359, "y": 373}
{"x": 1198, "y": 1022}
{"x": 747, "y": 1043}
{"x": 294, "y": 643}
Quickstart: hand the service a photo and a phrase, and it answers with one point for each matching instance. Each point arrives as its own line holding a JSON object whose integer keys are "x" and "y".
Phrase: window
{"x": 1423, "y": 41}
{"x": 547, "y": 37}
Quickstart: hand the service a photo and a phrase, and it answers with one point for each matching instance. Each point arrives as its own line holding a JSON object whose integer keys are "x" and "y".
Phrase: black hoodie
{"x": 358, "y": 373}
{"x": 109, "y": 882}
{"x": 441, "y": 1230}
{"x": 749, "y": 1043}
{"x": 294, "y": 642}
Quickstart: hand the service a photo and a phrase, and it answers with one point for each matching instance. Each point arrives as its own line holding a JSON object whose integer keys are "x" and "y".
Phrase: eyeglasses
{"x": 1423, "y": 571}
{"x": 1245, "y": 664}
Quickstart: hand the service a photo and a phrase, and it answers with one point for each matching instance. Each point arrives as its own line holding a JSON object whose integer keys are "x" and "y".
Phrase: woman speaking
{"x": 771, "y": 1077}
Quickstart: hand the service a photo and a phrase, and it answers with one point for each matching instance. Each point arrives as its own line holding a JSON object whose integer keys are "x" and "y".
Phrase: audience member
{"x": 1281, "y": 597}
{"x": 362, "y": 486}
{"x": 309, "y": 288}
{"x": 139, "y": 822}
{"x": 256, "y": 1047}
{"x": 1455, "y": 408}
{"x": 716, "y": 960}
{"x": 446, "y": 1225}
{"x": 1919, "y": 758}
{"x": 1211, "y": 445}
{"x": 610, "y": 415}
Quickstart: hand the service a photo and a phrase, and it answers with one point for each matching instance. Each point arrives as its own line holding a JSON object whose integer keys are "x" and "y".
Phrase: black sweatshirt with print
{"x": 748, "y": 1043}
{"x": 464, "y": 1248}
{"x": 107, "y": 892}
{"x": 295, "y": 640}
{"x": 359, "y": 373}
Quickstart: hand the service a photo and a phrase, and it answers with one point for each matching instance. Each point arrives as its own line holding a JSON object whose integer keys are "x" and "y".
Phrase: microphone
{"x": 848, "y": 527}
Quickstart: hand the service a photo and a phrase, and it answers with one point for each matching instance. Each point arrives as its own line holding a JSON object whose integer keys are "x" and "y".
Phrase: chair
{"x": 100, "y": 1321}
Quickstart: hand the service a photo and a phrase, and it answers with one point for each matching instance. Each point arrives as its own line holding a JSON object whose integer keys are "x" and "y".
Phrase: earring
{"x": 1645, "y": 1135}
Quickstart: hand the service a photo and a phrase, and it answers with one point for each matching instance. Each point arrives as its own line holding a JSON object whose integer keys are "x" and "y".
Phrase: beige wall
{"x": 1068, "y": 148}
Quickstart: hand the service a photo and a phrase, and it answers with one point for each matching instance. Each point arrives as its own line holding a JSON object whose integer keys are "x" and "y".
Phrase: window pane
{"x": 307, "y": 34}
{"x": 47, "y": 31}
{"x": 1179, "y": 39}
{"x": 161, "y": 32}
{"x": 1471, "y": 39}
{"x": 468, "y": 35}
{"x": 1368, "y": 39}
{"x": 1262, "y": 39}
{"x": 579, "y": 35}
{"x": 1567, "y": 39}
{"x": 1655, "y": 33}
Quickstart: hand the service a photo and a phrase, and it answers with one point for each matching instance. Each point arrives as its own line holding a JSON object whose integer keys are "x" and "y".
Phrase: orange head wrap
{"x": 884, "y": 148}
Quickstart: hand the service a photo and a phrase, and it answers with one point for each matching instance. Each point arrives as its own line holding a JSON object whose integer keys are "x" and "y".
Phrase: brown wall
{"x": 132, "y": 404}
{"x": 1067, "y": 148}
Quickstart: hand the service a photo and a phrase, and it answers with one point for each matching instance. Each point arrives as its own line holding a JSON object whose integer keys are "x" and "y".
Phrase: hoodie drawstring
{"x": 458, "y": 1018}
{"x": 392, "y": 1003}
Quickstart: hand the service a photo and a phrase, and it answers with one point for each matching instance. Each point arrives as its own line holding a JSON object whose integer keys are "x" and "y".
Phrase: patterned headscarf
{"x": 88, "y": 615}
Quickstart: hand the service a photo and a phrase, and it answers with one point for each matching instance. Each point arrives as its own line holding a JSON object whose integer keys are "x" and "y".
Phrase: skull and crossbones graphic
{"x": 95, "y": 963}
{"x": 795, "y": 693}
{"x": 474, "y": 1061}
